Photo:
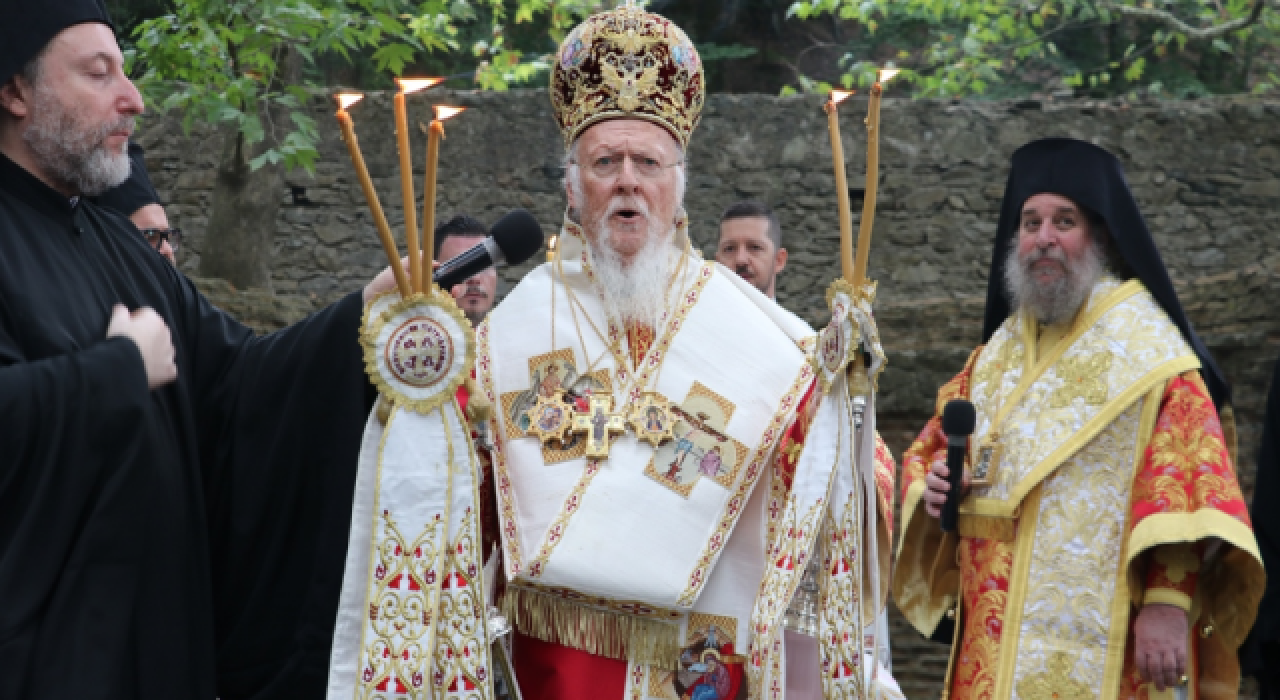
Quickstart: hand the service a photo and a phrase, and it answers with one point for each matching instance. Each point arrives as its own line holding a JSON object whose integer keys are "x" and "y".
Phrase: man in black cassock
{"x": 174, "y": 492}
{"x": 1260, "y": 656}
{"x": 138, "y": 200}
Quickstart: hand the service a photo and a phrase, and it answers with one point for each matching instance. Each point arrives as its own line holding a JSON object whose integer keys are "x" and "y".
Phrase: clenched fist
{"x": 150, "y": 333}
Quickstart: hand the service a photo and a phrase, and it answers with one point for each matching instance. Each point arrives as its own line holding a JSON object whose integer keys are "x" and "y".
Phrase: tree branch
{"x": 1176, "y": 23}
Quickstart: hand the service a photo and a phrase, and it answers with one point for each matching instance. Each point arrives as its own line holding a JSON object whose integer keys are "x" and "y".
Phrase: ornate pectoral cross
{"x": 599, "y": 424}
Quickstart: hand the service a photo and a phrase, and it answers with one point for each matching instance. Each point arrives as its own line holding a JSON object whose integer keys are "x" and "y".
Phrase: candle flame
{"x": 443, "y": 112}
{"x": 838, "y": 96}
{"x": 346, "y": 99}
{"x": 411, "y": 85}
{"x": 886, "y": 75}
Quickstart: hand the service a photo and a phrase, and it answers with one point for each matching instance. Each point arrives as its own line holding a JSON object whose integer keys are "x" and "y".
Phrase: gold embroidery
{"x": 785, "y": 563}
{"x": 462, "y": 650}
{"x": 840, "y": 634}
{"x": 638, "y": 678}
{"x": 1076, "y": 557}
{"x": 1055, "y": 683}
{"x": 627, "y": 63}
{"x": 630, "y": 607}
{"x": 555, "y": 533}
{"x": 401, "y": 610}
{"x": 1036, "y": 437}
{"x": 501, "y": 475}
{"x": 618, "y": 632}
{"x": 1082, "y": 378}
{"x": 772, "y": 435}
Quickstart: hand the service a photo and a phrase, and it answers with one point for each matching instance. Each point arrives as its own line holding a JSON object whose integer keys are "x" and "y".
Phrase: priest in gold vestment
{"x": 1103, "y": 548}
{"x": 660, "y": 500}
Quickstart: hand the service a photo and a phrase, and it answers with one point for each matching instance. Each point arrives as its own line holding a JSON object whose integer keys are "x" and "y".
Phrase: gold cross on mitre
{"x": 599, "y": 424}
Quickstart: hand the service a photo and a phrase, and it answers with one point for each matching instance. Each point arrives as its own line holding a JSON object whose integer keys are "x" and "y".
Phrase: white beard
{"x": 1055, "y": 301}
{"x": 635, "y": 291}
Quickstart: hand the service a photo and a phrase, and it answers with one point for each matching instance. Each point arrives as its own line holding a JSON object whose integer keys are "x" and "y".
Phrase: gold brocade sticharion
{"x": 1112, "y": 475}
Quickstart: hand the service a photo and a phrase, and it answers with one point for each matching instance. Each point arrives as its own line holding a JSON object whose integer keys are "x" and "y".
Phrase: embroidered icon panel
{"x": 548, "y": 373}
{"x": 710, "y": 666}
{"x": 701, "y": 447}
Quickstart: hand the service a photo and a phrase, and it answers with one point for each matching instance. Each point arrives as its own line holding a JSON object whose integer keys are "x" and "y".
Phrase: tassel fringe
{"x": 600, "y": 632}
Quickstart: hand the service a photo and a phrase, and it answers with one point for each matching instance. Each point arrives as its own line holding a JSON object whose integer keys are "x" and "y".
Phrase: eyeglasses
{"x": 609, "y": 166}
{"x": 157, "y": 236}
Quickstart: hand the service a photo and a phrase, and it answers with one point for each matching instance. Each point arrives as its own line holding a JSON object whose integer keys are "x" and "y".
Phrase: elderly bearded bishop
{"x": 664, "y": 462}
{"x": 1103, "y": 547}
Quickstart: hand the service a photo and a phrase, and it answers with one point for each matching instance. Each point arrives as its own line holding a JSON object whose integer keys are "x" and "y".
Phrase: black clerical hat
{"x": 27, "y": 26}
{"x": 1092, "y": 178}
{"x": 134, "y": 193}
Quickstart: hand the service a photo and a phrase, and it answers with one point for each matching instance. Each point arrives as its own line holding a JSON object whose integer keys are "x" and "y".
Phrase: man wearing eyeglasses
{"x": 629, "y": 561}
{"x": 136, "y": 198}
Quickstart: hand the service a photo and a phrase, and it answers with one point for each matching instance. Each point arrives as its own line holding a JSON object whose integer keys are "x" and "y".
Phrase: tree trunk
{"x": 246, "y": 202}
{"x": 243, "y": 219}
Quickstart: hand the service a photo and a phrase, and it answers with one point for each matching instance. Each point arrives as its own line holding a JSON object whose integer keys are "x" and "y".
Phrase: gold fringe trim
{"x": 601, "y": 632}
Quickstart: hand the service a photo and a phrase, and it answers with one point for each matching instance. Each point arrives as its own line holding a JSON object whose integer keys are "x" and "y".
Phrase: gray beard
{"x": 1056, "y": 301}
{"x": 635, "y": 292}
{"x": 72, "y": 152}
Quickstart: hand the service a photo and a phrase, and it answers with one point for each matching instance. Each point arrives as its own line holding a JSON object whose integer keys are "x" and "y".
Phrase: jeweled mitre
{"x": 627, "y": 63}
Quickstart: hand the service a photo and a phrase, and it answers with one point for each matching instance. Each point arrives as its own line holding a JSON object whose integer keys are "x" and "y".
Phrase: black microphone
{"x": 958, "y": 418}
{"x": 513, "y": 240}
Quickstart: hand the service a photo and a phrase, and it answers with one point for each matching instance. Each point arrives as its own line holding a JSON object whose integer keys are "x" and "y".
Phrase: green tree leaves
{"x": 1103, "y": 47}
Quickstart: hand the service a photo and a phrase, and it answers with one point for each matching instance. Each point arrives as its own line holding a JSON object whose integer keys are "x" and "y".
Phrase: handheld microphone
{"x": 514, "y": 239}
{"x": 958, "y": 418}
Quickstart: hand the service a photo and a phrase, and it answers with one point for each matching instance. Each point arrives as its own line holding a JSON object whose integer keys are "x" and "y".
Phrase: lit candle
{"x": 873, "y": 177}
{"x": 551, "y": 248}
{"x": 842, "y": 181}
{"x": 409, "y": 86}
{"x": 345, "y": 100}
{"x": 434, "y": 134}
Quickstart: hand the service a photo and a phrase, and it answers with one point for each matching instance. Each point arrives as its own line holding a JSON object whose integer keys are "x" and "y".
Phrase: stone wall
{"x": 1206, "y": 174}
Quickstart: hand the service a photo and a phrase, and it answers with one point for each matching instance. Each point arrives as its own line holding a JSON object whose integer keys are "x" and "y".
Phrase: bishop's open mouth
{"x": 627, "y": 214}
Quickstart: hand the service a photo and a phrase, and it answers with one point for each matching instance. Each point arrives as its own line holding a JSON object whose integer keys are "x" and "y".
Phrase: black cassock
{"x": 1260, "y": 655}
{"x": 181, "y": 543}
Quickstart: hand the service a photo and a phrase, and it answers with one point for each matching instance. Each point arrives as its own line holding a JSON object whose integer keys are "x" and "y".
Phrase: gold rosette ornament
{"x": 418, "y": 350}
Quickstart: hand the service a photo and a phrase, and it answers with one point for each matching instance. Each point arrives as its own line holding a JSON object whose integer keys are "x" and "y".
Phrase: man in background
{"x": 136, "y": 198}
{"x": 454, "y": 237}
{"x": 751, "y": 244}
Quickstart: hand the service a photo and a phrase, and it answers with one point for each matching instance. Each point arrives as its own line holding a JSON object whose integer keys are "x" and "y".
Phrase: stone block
{"x": 1265, "y": 188}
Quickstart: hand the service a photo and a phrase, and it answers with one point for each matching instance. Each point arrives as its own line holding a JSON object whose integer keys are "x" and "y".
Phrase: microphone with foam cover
{"x": 513, "y": 240}
{"x": 958, "y": 419}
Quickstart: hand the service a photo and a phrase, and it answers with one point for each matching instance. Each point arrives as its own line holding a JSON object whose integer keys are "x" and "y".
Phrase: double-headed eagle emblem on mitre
{"x": 627, "y": 63}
